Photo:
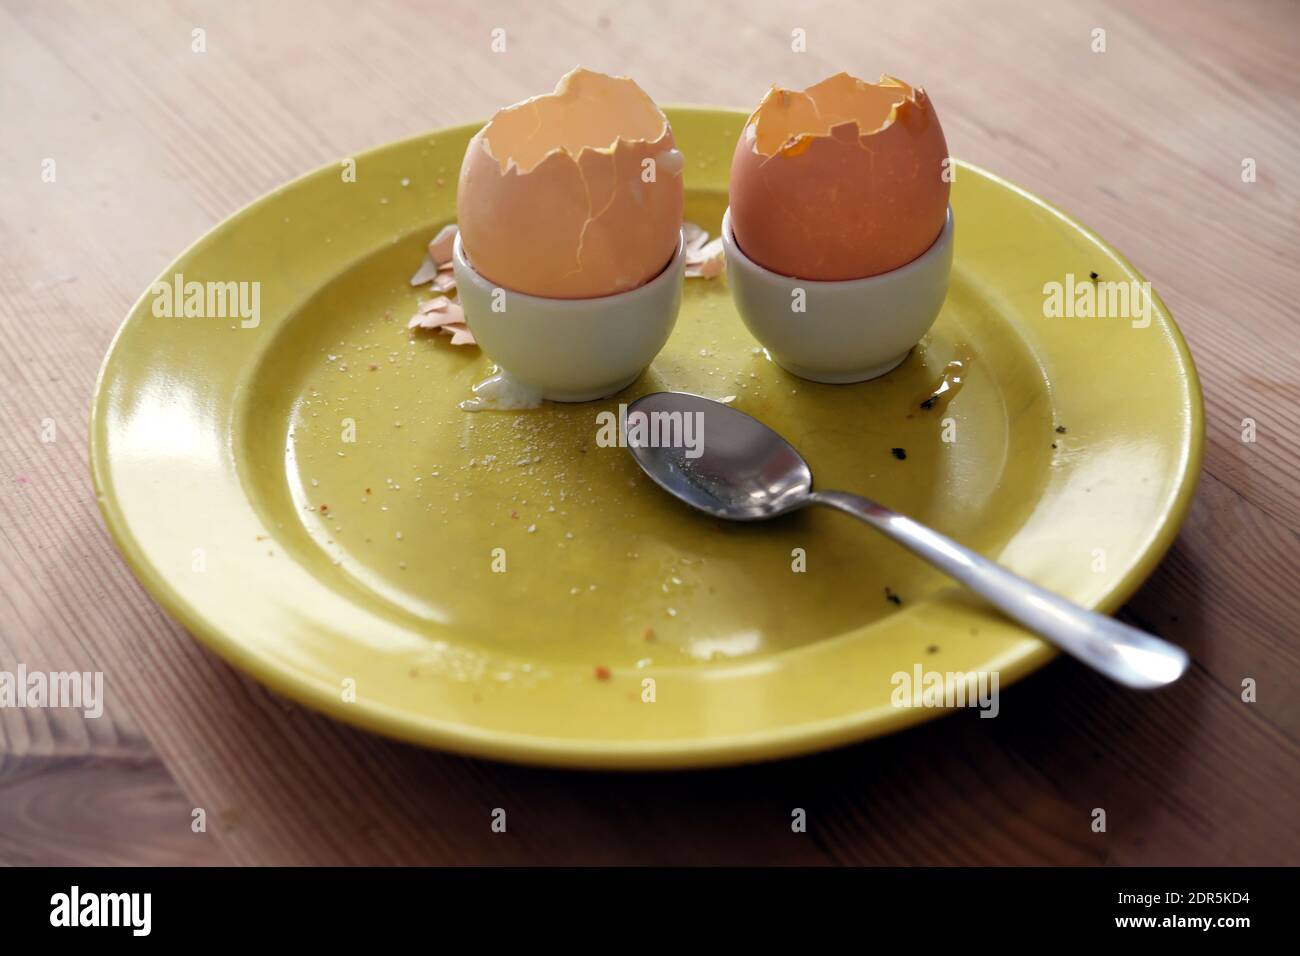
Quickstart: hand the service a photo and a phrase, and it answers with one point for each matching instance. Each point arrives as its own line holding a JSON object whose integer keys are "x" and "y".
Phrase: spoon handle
{"x": 1125, "y": 654}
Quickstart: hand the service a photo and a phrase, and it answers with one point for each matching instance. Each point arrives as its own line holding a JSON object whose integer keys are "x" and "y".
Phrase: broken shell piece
{"x": 435, "y": 313}
{"x": 443, "y": 315}
{"x": 460, "y": 334}
{"x": 710, "y": 269}
{"x": 436, "y": 267}
{"x": 440, "y": 245}
{"x": 437, "y": 304}
{"x": 694, "y": 237}
{"x": 704, "y": 259}
{"x": 427, "y": 272}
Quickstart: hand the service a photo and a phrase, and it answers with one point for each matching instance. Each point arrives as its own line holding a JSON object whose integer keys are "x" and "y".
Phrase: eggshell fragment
{"x": 427, "y": 272}
{"x": 438, "y": 260}
{"x": 694, "y": 236}
{"x": 440, "y": 245}
{"x": 704, "y": 259}
{"x": 460, "y": 334}
{"x": 445, "y": 316}
{"x": 573, "y": 194}
{"x": 708, "y": 262}
{"x": 435, "y": 312}
{"x": 840, "y": 181}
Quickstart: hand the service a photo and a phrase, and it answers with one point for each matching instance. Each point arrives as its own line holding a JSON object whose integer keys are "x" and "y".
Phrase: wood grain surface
{"x": 155, "y": 143}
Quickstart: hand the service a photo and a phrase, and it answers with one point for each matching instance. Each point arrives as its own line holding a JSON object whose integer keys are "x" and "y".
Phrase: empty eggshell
{"x": 574, "y": 194}
{"x": 841, "y": 181}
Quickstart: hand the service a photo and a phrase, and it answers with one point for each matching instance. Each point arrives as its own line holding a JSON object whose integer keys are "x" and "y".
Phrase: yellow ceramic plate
{"x": 305, "y": 496}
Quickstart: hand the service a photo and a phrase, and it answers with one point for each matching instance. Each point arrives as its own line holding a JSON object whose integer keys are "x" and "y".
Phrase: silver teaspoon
{"x": 739, "y": 469}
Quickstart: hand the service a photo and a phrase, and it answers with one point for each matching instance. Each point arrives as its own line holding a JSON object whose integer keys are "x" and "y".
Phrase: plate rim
{"x": 471, "y": 740}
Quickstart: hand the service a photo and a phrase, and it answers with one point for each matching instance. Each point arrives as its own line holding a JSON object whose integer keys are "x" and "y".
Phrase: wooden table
{"x": 153, "y": 143}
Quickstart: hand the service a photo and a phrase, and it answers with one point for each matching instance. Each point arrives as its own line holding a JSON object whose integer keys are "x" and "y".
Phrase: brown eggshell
{"x": 841, "y": 181}
{"x": 553, "y": 199}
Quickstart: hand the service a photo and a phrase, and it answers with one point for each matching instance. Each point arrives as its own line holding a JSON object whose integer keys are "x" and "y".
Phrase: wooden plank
{"x": 103, "y": 810}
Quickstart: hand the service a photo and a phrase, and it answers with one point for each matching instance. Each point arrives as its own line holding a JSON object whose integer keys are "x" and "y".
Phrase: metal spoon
{"x": 744, "y": 471}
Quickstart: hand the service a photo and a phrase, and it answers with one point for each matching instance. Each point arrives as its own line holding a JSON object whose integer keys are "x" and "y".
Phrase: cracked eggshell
{"x": 553, "y": 198}
{"x": 841, "y": 181}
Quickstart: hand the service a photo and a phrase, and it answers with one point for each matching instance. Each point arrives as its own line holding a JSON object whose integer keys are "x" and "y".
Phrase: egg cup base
{"x": 571, "y": 397}
{"x": 842, "y": 378}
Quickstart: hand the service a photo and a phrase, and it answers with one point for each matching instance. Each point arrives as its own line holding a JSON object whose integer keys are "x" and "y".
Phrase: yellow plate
{"x": 305, "y": 496}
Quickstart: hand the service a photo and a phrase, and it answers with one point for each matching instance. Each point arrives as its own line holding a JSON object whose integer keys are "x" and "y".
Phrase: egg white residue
{"x": 501, "y": 391}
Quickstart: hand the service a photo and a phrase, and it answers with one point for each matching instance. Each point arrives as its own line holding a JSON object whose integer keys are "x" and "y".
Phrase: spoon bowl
{"x": 744, "y": 471}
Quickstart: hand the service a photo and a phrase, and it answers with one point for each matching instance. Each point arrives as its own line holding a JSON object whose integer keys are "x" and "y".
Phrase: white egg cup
{"x": 848, "y": 331}
{"x": 571, "y": 350}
